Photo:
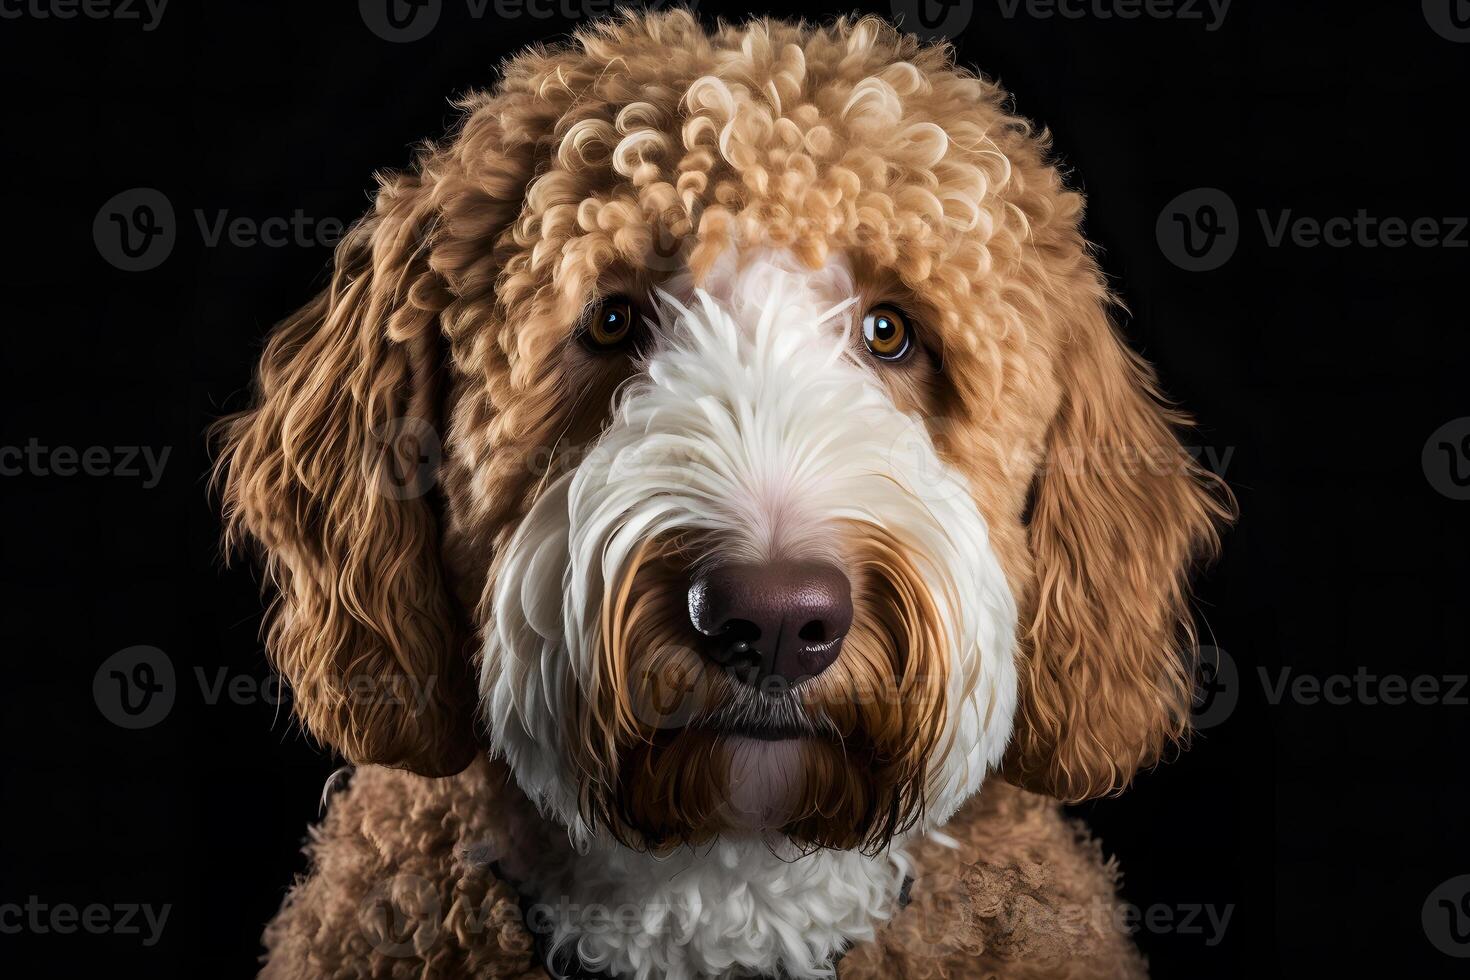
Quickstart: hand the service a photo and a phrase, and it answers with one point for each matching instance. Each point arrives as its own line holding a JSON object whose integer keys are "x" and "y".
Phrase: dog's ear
{"x": 332, "y": 474}
{"x": 1119, "y": 512}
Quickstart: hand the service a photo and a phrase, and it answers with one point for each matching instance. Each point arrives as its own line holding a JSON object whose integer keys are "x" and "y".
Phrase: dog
{"x": 712, "y": 508}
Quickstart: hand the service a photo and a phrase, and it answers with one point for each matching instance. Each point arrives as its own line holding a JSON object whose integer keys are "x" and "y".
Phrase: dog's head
{"x": 728, "y": 430}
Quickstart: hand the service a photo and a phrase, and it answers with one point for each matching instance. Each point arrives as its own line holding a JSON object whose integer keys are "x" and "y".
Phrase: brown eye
{"x": 887, "y": 334}
{"x": 611, "y": 325}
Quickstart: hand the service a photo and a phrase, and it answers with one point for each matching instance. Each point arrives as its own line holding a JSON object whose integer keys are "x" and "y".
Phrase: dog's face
{"x": 760, "y": 599}
{"x": 773, "y": 465}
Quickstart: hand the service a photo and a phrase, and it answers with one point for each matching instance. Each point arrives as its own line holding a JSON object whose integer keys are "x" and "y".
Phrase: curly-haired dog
{"x": 792, "y": 480}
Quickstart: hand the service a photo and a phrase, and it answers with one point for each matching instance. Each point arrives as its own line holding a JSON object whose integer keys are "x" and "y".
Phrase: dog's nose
{"x": 783, "y": 619}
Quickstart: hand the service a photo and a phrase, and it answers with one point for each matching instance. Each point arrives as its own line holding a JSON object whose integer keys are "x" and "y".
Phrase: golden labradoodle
{"x": 712, "y": 508}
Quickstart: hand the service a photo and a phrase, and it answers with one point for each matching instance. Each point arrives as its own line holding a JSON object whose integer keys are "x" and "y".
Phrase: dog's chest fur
{"x": 413, "y": 878}
{"x": 733, "y": 908}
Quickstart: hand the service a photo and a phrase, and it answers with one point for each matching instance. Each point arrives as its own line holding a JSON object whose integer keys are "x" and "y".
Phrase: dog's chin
{"x": 765, "y": 781}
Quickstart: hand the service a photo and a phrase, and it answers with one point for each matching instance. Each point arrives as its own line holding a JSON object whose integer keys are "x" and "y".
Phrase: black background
{"x": 1320, "y": 371}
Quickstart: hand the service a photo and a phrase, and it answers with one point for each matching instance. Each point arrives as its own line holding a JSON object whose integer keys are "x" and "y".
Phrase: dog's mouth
{"x": 762, "y": 732}
{"x": 765, "y": 742}
{"x": 763, "y": 718}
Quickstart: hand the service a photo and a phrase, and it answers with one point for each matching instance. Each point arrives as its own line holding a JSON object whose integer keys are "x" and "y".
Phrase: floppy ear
{"x": 332, "y": 474}
{"x": 1119, "y": 512}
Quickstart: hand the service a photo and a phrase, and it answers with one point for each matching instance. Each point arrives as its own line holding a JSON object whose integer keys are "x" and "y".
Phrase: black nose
{"x": 784, "y": 619}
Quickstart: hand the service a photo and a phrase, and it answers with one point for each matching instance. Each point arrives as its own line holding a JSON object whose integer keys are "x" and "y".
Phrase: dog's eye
{"x": 887, "y": 333}
{"x": 611, "y": 325}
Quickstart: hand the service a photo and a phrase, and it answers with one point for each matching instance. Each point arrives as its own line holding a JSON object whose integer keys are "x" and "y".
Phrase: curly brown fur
{"x": 416, "y": 878}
